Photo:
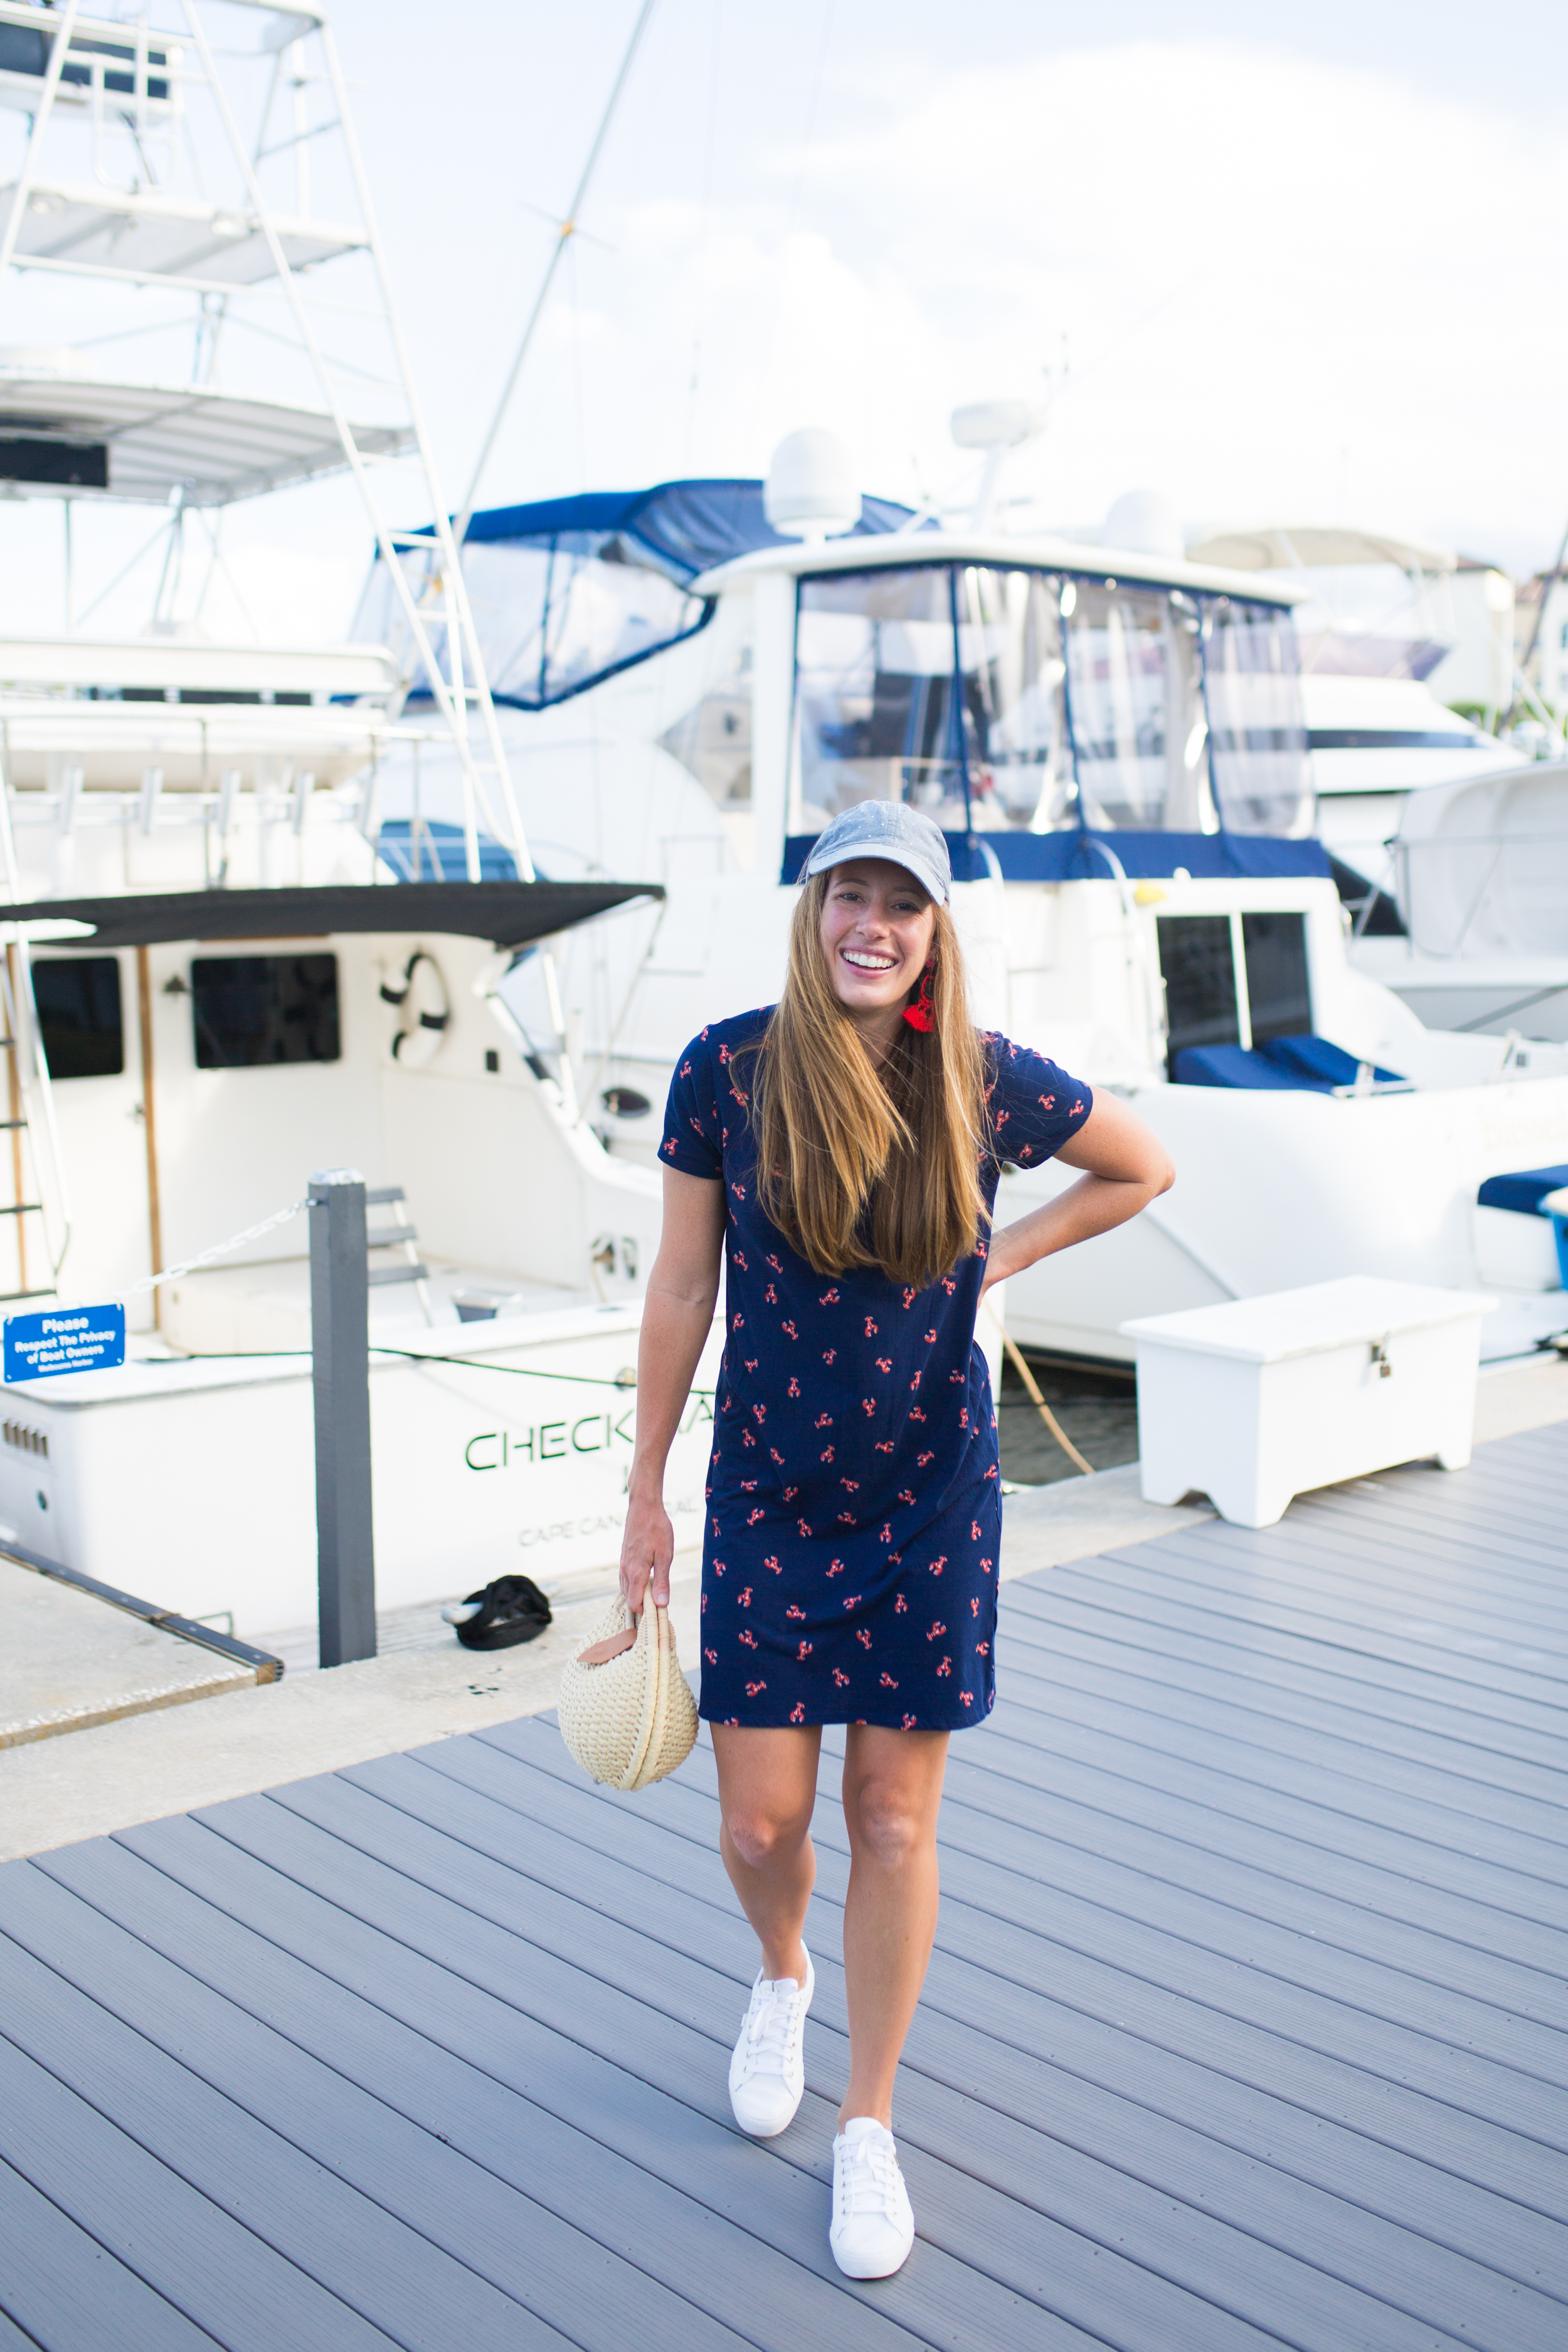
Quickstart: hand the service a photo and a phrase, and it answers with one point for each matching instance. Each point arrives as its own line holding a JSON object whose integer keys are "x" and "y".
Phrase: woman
{"x": 842, "y": 1151}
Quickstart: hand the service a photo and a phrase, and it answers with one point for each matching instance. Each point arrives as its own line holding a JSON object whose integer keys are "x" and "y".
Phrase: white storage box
{"x": 1254, "y": 1402}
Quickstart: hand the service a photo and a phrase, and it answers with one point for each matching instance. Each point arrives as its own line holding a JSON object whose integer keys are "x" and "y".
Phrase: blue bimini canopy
{"x": 566, "y": 591}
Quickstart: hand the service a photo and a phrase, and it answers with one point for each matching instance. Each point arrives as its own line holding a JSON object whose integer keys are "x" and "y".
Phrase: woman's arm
{"x": 1126, "y": 1167}
{"x": 678, "y": 1315}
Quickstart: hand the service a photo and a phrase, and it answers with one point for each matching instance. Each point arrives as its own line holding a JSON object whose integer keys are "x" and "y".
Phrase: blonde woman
{"x": 840, "y": 1154}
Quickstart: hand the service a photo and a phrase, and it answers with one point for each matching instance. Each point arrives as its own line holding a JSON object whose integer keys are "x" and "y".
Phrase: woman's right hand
{"x": 648, "y": 1546}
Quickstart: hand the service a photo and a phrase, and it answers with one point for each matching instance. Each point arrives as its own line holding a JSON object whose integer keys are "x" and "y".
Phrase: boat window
{"x": 713, "y": 740}
{"x": 1015, "y": 724}
{"x": 878, "y": 716}
{"x": 555, "y": 616}
{"x": 255, "y": 1009}
{"x": 1133, "y": 676}
{"x": 1260, "y": 736}
{"x": 1277, "y": 992}
{"x": 1199, "y": 971}
{"x": 79, "y": 1017}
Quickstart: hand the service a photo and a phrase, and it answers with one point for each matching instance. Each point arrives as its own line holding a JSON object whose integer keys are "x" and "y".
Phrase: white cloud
{"x": 1289, "y": 287}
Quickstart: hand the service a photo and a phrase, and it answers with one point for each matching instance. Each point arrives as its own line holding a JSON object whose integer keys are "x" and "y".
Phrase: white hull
{"x": 192, "y": 1483}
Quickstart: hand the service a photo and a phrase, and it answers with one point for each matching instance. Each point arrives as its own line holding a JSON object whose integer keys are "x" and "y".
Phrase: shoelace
{"x": 770, "y": 2028}
{"x": 868, "y": 2176}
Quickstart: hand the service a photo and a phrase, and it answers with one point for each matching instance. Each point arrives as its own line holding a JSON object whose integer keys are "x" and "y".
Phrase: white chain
{"x": 189, "y": 1264}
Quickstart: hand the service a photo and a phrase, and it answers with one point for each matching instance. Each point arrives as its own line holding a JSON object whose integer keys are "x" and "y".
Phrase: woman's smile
{"x": 876, "y": 925}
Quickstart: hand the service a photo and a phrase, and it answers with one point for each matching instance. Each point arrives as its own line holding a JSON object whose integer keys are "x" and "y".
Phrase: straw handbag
{"x": 626, "y": 1714}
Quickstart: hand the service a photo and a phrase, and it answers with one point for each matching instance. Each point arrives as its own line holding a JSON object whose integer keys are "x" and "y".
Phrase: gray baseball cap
{"x": 886, "y": 829}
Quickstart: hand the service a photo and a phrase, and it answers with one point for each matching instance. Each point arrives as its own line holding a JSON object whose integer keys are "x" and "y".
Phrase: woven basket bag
{"x": 627, "y": 1713}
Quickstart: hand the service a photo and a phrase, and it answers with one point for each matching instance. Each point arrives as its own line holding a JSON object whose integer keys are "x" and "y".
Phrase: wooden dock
{"x": 1245, "y": 2026}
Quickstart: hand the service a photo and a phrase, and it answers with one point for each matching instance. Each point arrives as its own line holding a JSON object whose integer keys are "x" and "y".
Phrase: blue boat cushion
{"x": 1314, "y": 1060}
{"x": 1289, "y": 1065}
{"x": 1523, "y": 1191}
{"x": 1229, "y": 1066}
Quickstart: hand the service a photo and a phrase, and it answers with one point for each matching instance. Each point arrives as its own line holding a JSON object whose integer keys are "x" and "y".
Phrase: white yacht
{"x": 1480, "y": 879}
{"x": 1117, "y": 746}
{"x": 218, "y": 972}
{"x": 1392, "y": 633}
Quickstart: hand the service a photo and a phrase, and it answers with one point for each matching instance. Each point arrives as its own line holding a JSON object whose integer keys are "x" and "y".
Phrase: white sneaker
{"x": 873, "y": 2224}
{"x": 767, "y": 2073}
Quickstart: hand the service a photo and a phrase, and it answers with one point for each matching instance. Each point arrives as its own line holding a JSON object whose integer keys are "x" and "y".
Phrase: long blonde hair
{"x": 864, "y": 1165}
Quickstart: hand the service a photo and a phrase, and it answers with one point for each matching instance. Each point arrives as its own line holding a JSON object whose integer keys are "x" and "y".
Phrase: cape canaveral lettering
{"x": 559, "y": 1440}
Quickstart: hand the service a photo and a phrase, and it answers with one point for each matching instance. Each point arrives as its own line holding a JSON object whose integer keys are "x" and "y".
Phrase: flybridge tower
{"x": 207, "y": 151}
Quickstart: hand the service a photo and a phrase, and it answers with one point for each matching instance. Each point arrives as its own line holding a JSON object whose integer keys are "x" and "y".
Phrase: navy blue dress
{"x": 854, "y": 1496}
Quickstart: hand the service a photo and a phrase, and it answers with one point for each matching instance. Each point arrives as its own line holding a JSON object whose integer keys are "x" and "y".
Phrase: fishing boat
{"x": 224, "y": 967}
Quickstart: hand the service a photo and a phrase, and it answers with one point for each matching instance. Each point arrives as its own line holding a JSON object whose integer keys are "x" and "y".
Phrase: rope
{"x": 222, "y": 1249}
{"x": 1015, "y": 1357}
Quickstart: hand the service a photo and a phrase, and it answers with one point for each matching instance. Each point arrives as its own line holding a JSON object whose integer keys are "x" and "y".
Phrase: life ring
{"x": 424, "y": 1011}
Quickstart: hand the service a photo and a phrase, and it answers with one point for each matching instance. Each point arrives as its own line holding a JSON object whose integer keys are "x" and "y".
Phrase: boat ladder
{"x": 399, "y": 1236}
{"x": 35, "y": 1226}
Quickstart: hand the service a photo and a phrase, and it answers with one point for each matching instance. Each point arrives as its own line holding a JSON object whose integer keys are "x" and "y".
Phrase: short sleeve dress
{"x": 854, "y": 1493}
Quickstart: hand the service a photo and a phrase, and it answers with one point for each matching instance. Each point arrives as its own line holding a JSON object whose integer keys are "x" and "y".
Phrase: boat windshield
{"x": 553, "y": 613}
{"x": 1000, "y": 698}
{"x": 567, "y": 591}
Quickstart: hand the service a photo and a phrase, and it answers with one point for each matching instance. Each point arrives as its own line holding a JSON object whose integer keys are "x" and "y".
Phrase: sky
{"x": 1277, "y": 264}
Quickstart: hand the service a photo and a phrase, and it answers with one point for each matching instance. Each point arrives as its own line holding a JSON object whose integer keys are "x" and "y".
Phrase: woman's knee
{"x": 763, "y": 1837}
{"x": 887, "y": 1826}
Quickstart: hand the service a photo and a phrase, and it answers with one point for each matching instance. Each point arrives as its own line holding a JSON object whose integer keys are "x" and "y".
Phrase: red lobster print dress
{"x": 854, "y": 1497}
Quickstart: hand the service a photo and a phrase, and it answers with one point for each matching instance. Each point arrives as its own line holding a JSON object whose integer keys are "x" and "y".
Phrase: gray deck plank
{"x": 1028, "y": 2022}
{"x": 1244, "y": 2026}
{"x": 1520, "y": 1506}
{"x": 1019, "y": 1820}
{"x": 1141, "y": 2145}
{"x": 966, "y": 2186}
{"x": 1075, "y": 1687}
{"x": 1287, "y": 2290}
{"x": 386, "y": 2270}
{"x": 284, "y": 1953}
{"x": 67, "y": 2292}
{"x": 11, "y": 2337}
{"x": 223, "y": 2277}
{"x": 1309, "y": 1568}
{"x": 1510, "y": 1672}
{"x": 1451, "y": 1520}
{"x": 493, "y": 2266}
{"x": 1328, "y": 1551}
{"x": 1493, "y": 1873}
{"x": 1107, "y": 1605}
{"x": 617, "y": 2086}
{"x": 1278, "y": 1690}
{"x": 1314, "y": 2049}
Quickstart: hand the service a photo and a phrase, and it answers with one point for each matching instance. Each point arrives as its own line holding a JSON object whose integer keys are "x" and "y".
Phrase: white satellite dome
{"x": 1146, "y": 523}
{"x": 811, "y": 491}
{"x": 995, "y": 424}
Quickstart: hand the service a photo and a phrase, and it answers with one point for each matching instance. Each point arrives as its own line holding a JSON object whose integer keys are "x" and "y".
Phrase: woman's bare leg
{"x": 767, "y": 1787}
{"x": 893, "y": 1791}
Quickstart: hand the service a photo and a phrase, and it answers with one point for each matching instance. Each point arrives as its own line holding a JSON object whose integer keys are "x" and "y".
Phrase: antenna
{"x": 997, "y": 426}
{"x": 565, "y": 231}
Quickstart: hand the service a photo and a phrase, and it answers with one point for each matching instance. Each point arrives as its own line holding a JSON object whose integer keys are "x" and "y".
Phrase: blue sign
{"x": 65, "y": 1340}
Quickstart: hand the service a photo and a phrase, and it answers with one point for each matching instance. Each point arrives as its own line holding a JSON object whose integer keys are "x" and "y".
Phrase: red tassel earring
{"x": 918, "y": 1015}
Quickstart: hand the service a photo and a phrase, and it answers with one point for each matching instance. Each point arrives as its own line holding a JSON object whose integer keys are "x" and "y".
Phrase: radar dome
{"x": 810, "y": 492}
{"x": 1146, "y": 523}
{"x": 995, "y": 424}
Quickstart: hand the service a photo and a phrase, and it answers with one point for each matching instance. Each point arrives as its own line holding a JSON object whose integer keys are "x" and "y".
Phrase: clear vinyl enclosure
{"x": 1006, "y": 698}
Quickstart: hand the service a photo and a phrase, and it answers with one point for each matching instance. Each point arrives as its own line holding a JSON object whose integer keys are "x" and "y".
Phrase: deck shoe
{"x": 767, "y": 2073}
{"x": 873, "y": 2224}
